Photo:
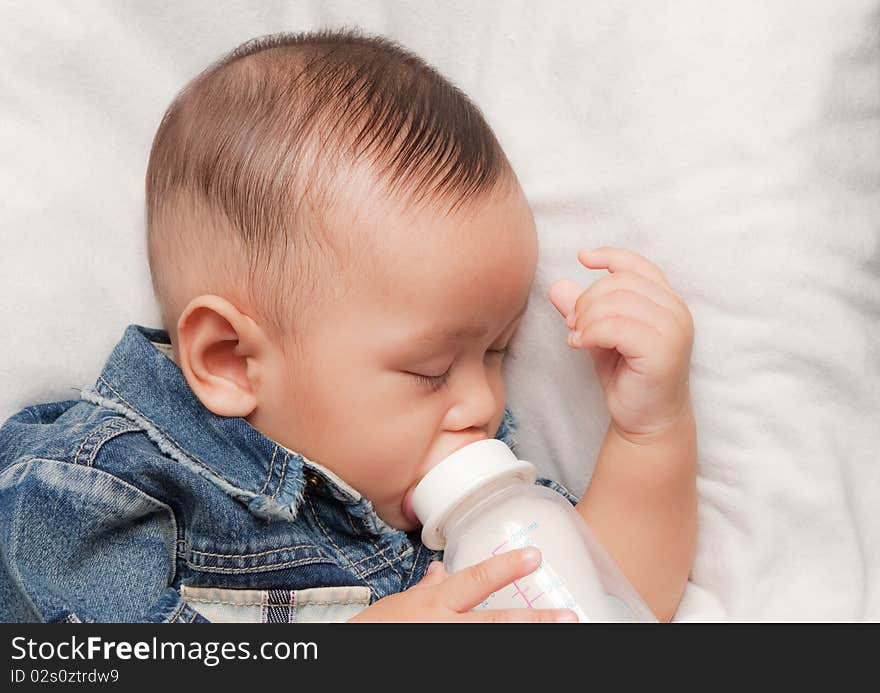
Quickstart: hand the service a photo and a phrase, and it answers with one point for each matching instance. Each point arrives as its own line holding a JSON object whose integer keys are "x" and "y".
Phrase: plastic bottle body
{"x": 481, "y": 501}
{"x": 576, "y": 572}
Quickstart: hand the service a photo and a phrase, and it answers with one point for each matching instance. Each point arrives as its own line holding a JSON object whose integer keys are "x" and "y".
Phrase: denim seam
{"x": 368, "y": 558}
{"x": 271, "y": 468}
{"x": 139, "y": 492}
{"x": 351, "y": 524}
{"x": 83, "y": 443}
{"x": 412, "y": 572}
{"x": 259, "y": 568}
{"x": 372, "y": 541}
{"x": 252, "y": 555}
{"x": 385, "y": 558}
{"x": 357, "y": 573}
{"x": 163, "y": 437}
{"x": 12, "y": 566}
{"x": 165, "y": 442}
{"x": 281, "y": 478}
{"x": 109, "y": 424}
{"x": 110, "y": 435}
{"x": 159, "y": 432}
{"x": 176, "y": 617}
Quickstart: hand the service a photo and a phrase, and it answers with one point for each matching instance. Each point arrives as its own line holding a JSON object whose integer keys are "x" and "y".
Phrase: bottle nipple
{"x": 462, "y": 474}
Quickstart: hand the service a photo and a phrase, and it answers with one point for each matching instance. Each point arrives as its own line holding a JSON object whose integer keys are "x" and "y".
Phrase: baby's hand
{"x": 639, "y": 334}
{"x": 443, "y": 597}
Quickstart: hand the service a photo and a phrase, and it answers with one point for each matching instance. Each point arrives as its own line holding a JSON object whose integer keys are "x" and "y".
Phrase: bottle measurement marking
{"x": 518, "y": 591}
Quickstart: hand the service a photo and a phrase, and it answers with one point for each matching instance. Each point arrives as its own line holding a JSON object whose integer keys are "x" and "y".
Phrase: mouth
{"x": 460, "y": 442}
{"x": 406, "y": 505}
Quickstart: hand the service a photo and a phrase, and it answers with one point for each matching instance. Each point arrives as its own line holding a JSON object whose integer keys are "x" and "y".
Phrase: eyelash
{"x": 435, "y": 382}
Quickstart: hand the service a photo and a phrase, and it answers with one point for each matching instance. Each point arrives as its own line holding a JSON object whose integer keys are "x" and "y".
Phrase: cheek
{"x": 375, "y": 428}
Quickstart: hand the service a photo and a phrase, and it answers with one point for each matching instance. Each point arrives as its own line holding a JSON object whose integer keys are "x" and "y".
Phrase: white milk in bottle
{"x": 481, "y": 501}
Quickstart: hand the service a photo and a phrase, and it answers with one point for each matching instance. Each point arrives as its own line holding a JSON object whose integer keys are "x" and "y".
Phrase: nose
{"x": 476, "y": 401}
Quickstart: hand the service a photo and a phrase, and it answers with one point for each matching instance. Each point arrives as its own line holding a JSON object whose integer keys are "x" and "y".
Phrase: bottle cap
{"x": 462, "y": 473}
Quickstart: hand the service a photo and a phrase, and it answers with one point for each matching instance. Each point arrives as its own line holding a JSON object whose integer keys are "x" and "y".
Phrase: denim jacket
{"x": 136, "y": 503}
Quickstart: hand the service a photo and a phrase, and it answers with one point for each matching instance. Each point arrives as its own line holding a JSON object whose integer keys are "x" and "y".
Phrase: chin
{"x": 401, "y": 523}
{"x": 405, "y": 526}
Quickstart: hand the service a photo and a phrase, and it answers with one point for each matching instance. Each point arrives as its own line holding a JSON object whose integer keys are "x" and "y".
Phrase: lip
{"x": 462, "y": 442}
{"x": 406, "y": 505}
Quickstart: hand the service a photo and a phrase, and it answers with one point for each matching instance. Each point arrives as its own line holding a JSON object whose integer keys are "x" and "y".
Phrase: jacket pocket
{"x": 313, "y": 605}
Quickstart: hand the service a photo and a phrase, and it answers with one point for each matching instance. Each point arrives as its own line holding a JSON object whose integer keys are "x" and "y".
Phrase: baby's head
{"x": 341, "y": 253}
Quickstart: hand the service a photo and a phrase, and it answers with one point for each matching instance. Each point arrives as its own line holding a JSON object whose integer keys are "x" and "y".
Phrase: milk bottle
{"x": 481, "y": 501}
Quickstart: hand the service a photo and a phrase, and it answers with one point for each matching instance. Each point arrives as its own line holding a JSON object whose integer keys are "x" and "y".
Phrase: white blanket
{"x": 736, "y": 144}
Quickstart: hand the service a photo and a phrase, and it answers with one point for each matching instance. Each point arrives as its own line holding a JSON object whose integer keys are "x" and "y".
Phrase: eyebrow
{"x": 446, "y": 333}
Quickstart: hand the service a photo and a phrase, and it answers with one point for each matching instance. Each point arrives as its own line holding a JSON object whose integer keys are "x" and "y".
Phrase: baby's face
{"x": 406, "y": 368}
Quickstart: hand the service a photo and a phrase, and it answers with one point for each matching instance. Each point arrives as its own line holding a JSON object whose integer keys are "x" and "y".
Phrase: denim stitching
{"x": 12, "y": 566}
{"x": 109, "y": 436}
{"x": 168, "y": 438}
{"x": 155, "y": 503}
{"x": 83, "y": 443}
{"x": 277, "y": 606}
{"x": 283, "y": 472}
{"x": 174, "y": 619}
{"x": 378, "y": 551}
{"x": 412, "y": 572}
{"x": 385, "y": 558}
{"x": 257, "y": 569}
{"x": 271, "y": 468}
{"x": 163, "y": 432}
{"x": 375, "y": 546}
{"x": 361, "y": 574}
{"x": 253, "y": 555}
{"x": 259, "y": 505}
{"x": 107, "y": 425}
{"x": 329, "y": 538}
{"x": 368, "y": 558}
{"x": 350, "y": 523}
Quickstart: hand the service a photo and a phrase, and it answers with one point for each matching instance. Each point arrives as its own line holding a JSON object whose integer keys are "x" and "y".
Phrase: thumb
{"x": 563, "y": 294}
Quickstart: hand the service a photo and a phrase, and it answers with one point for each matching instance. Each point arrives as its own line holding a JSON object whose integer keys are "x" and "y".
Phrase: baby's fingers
{"x": 632, "y": 338}
{"x": 563, "y": 295}
{"x": 435, "y": 575}
{"x": 519, "y": 616}
{"x": 621, "y": 260}
{"x": 627, "y": 304}
{"x": 466, "y": 588}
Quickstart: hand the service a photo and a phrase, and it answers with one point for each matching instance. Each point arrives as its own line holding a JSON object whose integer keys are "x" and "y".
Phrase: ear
{"x": 219, "y": 350}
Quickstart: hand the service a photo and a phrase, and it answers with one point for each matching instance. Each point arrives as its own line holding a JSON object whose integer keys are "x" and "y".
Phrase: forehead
{"x": 458, "y": 270}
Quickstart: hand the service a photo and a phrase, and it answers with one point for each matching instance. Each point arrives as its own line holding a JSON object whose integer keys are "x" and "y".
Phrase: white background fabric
{"x": 735, "y": 144}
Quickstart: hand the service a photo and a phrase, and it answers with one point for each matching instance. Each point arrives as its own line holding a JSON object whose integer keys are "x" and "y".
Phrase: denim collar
{"x": 143, "y": 384}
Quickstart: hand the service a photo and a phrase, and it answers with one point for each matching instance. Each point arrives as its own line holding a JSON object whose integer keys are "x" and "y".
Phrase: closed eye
{"x": 433, "y": 382}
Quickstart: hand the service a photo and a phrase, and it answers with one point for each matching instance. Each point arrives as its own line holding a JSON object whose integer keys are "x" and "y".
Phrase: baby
{"x": 342, "y": 254}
